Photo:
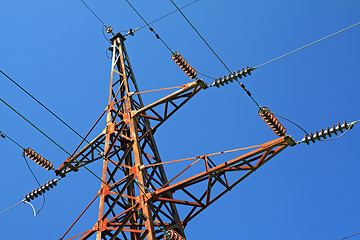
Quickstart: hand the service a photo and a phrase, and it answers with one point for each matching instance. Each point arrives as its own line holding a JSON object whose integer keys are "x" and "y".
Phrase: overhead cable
{"x": 43, "y": 204}
{"x": 93, "y": 13}
{"x": 6, "y": 136}
{"x": 349, "y": 236}
{"x": 248, "y": 93}
{"x": 307, "y": 45}
{"x": 291, "y": 122}
{"x": 27, "y": 164}
{"x": 108, "y": 29}
{"x": 58, "y": 145}
{"x": 22, "y": 201}
{"x": 200, "y": 35}
{"x": 150, "y": 28}
{"x": 169, "y": 14}
{"x": 51, "y": 112}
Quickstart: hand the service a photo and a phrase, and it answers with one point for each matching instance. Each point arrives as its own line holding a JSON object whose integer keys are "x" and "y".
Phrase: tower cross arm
{"x": 82, "y": 157}
{"x": 165, "y": 107}
{"x": 217, "y": 179}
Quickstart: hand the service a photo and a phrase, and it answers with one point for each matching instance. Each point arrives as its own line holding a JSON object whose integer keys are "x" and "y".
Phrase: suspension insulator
{"x": 323, "y": 133}
{"x": 38, "y": 159}
{"x": 171, "y": 234}
{"x": 271, "y": 121}
{"x": 232, "y": 77}
{"x": 184, "y": 65}
{"x": 39, "y": 191}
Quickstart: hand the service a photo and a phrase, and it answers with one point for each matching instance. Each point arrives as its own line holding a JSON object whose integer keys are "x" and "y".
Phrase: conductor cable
{"x": 150, "y": 28}
{"x": 200, "y": 35}
{"x": 308, "y": 45}
{"x": 49, "y": 138}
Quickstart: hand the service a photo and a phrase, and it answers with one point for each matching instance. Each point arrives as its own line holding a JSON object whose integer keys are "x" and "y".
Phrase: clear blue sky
{"x": 56, "y": 51}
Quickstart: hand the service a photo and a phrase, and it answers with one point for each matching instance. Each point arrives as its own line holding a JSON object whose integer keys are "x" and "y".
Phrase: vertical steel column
{"x": 104, "y": 188}
{"x": 137, "y": 152}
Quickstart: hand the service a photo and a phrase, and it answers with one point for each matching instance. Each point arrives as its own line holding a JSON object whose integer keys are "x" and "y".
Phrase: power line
{"x": 37, "y": 183}
{"x": 169, "y": 14}
{"x": 93, "y": 13}
{"x": 200, "y": 35}
{"x": 292, "y": 123}
{"x": 4, "y": 135}
{"x": 22, "y": 201}
{"x": 58, "y": 145}
{"x": 103, "y": 24}
{"x": 34, "y": 126}
{"x": 350, "y": 236}
{"x": 150, "y": 28}
{"x": 31, "y": 171}
{"x": 248, "y": 93}
{"x": 51, "y": 112}
{"x": 308, "y": 45}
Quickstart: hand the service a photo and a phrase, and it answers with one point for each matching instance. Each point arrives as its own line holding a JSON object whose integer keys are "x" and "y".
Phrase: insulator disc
{"x": 272, "y": 122}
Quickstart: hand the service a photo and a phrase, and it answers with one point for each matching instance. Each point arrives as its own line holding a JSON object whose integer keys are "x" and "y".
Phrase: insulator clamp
{"x": 39, "y": 191}
{"x": 323, "y": 133}
{"x": 231, "y": 77}
{"x": 171, "y": 234}
{"x": 272, "y": 121}
{"x": 184, "y": 65}
{"x": 38, "y": 159}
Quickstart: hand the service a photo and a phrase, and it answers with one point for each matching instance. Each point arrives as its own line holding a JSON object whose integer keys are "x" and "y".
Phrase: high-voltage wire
{"x": 248, "y": 93}
{"x": 165, "y": 15}
{"x": 349, "y": 236}
{"x": 103, "y": 24}
{"x": 36, "y": 193}
{"x": 43, "y": 204}
{"x": 27, "y": 164}
{"x": 3, "y": 135}
{"x": 200, "y": 36}
{"x": 292, "y": 123}
{"x": 93, "y": 13}
{"x": 150, "y": 28}
{"x": 22, "y": 201}
{"x": 51, "y": 112}
{"x": 169, "y": 13}
{"x": 307, "y": 45}
{"x": 18, "y": 85}
{"x": 58, "y": 145}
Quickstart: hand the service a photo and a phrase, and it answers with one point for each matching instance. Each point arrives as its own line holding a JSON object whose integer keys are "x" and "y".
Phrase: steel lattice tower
{"x": 137, "y": 201}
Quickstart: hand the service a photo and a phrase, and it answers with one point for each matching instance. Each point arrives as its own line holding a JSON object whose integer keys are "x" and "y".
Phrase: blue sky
{"x": 57, "y": 52}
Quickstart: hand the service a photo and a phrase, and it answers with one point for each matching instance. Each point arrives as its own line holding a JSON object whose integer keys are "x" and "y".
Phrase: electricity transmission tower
{"x": 137, "y": 200}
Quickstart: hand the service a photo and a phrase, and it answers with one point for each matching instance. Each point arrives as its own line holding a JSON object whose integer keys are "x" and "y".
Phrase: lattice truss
{"x": 137, "y": 200}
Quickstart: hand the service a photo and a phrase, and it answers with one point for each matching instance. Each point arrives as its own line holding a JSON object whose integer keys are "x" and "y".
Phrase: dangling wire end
{"x": 25, "y": 201}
